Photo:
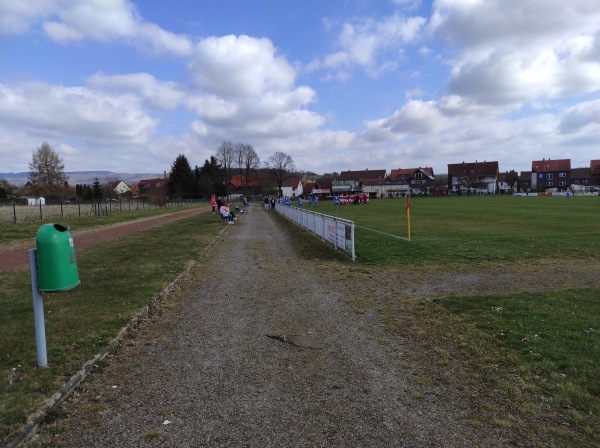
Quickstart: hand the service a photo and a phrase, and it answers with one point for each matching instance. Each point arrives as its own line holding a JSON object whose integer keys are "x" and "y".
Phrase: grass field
{"x": 549, "y": 342}
{"x": 118, "y": 279}
{"x": 483, "y": 228}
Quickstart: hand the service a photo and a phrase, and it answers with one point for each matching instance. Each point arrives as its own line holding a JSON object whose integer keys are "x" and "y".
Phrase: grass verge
{"x": 118, "y": 279}
{"x": 26, "y": 231}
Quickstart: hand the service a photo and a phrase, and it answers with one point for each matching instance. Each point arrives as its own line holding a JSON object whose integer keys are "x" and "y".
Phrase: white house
{"x": 292, "y": 188}
{"x": 120, "y": 187}
{"x": 36, "y": 201}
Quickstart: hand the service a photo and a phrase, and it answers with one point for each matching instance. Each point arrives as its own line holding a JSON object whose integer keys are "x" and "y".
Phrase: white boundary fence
{"x": 338, "y": 231}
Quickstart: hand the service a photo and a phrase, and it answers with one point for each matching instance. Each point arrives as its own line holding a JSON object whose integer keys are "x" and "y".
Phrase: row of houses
{"x": 462, "y": 178}
{"x": 479, "y": 177}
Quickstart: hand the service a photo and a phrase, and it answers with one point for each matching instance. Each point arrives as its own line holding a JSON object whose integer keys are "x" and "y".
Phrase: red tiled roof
{"x": 291, "y": 183}
{"x": 547, "y": 166}
{"x": 595, "y": 167}
{"x": 473, "y": 168}
{"x": 239, "y": 181}
{"x": 581, "y": 173}
{"x": 366, "y": 174}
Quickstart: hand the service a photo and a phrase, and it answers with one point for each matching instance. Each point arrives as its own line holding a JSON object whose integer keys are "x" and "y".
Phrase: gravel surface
{"x": 260, "y": 348}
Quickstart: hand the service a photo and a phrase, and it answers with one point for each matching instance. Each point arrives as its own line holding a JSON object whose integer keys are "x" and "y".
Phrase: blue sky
{"x": 339, "y": 84}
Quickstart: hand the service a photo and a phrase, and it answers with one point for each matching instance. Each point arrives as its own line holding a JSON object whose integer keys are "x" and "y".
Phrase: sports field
{"x": 484, "y": 228}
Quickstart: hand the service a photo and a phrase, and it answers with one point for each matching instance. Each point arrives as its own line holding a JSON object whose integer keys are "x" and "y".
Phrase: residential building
{"x": 322, "y": 187}
{"x": 595, "y": 172}
{"x": 254, "y": 185}
{"x": 581, "y": 178}
{"x": 416, "y": 180}
{"x": 367, "y": 181}
{"x": 149, "y": 188}
{"x": 292, "y": 188}
{"x": 473, "y": 177}
{"x": 120, "y": 189}
{"x": 525, "y": 181}
{"x": 550, "y": 174}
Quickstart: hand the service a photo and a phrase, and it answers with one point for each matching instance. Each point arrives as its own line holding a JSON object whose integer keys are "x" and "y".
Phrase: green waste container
{"x": 57, "y": 266}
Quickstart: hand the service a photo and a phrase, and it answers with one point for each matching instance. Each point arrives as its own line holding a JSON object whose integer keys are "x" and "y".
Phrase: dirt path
{"x": 15, "y": 256}
{"x": 261, "y": 349}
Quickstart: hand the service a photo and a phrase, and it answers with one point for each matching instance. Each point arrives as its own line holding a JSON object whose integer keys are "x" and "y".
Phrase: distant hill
{"x": 84, "y": 177}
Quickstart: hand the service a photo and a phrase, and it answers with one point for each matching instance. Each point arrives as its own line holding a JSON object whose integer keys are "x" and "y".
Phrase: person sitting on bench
{"x": 226, "y": 214}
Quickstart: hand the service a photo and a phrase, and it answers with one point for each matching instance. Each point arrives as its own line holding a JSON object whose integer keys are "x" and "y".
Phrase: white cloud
{"x": 17, "y": 17}
{"x": 239, "y": 66}
{"x": 75, "y": 111}
{"x": 375, "y": 45}
{"x": 101, "y": 20}
{"x": 67, "y": 21}
{"x": 246, "y": 87}
{"x": 415, "y": 117}
{"x": 584, "y": 117}
{"x": 161, "y": 95}
{"x": 510, "y": 52}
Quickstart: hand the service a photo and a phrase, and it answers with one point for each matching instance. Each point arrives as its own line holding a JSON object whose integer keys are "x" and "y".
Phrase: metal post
{"x": 38, "y": 312}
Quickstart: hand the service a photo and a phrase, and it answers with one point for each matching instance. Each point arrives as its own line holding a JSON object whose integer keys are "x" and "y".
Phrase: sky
{"x": 338, "y": 85}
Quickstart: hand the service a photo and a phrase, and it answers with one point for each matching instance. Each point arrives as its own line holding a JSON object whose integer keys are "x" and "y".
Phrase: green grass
{"x": 26, "y": 231}
{"x": 471, "y": 229}
{"x": 552, "y": 341}
{"x": 558, "y": 367}
{"x": 546, "y": 344}
{"x": 117, "y": 280}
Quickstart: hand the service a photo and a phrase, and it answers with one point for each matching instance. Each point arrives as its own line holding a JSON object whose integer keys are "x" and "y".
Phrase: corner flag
{"x": 407, "y": 209}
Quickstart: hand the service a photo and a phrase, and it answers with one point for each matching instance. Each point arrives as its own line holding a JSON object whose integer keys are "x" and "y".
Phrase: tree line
{"x": 47, "y": 175}
{"x": 214, "y": 177}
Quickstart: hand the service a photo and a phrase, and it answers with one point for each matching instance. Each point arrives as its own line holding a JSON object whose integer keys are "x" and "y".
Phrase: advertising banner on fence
{"x": 339, "y": 232}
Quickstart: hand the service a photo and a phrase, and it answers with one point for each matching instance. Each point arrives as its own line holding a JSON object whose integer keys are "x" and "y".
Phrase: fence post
{"x": 14, "y": 211}
{"x": 41, "y": 218}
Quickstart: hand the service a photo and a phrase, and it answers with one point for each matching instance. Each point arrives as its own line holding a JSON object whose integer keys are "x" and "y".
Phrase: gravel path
{"x": 259, "y": 349}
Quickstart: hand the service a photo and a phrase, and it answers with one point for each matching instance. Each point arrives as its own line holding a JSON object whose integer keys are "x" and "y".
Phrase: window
{"x": 548, "y": 184}
{"x": 562, "y": 174}
{"x": 549, "y": 176}
{"x": 562, "y": 184}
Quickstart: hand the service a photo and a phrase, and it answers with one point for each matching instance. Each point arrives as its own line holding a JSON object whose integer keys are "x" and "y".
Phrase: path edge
{"x": 29, "y": 429}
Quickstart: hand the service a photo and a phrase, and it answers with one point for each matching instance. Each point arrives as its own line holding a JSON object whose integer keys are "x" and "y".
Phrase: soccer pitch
{"x": 484, "y": 228}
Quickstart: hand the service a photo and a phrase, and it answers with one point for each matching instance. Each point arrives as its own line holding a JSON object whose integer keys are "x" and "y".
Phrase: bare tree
{"x": 47, "y": 172}
{"x": 227, "y": 157}
{"x": 281, "y": 166}
{"x": 248, "y": 161}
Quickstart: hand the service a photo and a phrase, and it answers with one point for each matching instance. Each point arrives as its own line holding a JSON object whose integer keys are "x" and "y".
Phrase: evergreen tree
{"x": 211, "y": 178}
{"x": 181, "y": 179}
{"x": 96, "y": 189}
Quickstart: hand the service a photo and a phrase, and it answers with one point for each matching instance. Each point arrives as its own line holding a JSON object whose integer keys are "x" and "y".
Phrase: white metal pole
{"x": 38, "y": 312}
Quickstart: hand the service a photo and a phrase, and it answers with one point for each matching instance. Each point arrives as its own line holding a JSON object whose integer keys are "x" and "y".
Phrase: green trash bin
{"x": 57, "y": 266}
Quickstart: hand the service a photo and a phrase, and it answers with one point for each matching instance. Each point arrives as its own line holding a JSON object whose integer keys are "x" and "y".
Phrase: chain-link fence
{"x": 17, "y": 211}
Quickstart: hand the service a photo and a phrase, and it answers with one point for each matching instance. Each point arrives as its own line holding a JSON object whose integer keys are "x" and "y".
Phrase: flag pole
{"x": 408, "y": 213}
